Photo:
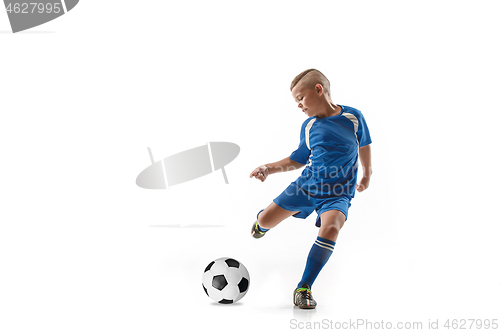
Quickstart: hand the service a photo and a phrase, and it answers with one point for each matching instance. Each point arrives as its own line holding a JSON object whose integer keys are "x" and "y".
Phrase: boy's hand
{"x": 363, "y": 184}
{"x": 261, "y": 173}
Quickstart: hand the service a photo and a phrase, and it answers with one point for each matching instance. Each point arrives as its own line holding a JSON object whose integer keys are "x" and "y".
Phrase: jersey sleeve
{"x": 363, "y": 133}
{"x": 301, "y": 154}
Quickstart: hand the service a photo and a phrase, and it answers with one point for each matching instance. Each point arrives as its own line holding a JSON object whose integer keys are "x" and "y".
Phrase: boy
{"x": 330, "y": 140}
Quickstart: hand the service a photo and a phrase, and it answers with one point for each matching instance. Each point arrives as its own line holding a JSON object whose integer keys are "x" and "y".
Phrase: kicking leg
{"x": 273, "y": 215}
{"x": 269, "y": 218}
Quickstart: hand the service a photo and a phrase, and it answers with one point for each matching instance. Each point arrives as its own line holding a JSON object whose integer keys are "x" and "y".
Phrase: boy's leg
{"x": 331, "y": 223}
{"x": 269, "y": 218}
{"x": 273, "y": 215}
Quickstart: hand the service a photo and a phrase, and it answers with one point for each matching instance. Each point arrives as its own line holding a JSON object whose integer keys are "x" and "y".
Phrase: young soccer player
{"x": 331, "y": 139}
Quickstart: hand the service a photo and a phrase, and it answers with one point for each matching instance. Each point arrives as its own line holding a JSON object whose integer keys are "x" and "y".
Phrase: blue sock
{"x": 260, "y": 228}
{"x": 318, "y": 256}
{"x": 258, "y": 225}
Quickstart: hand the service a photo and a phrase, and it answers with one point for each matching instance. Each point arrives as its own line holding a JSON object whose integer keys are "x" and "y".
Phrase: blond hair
{"x": 310, "y": 78}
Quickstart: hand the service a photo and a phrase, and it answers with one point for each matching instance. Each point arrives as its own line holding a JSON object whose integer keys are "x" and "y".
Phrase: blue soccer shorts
{"x": 294, "y": 198}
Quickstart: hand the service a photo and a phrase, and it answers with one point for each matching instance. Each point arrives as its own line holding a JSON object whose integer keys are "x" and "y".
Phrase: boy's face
{"x": 308, "y": 99}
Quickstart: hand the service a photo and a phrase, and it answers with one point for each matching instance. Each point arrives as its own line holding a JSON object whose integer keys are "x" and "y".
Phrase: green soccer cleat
{"x": 302, "y": 297}
{"x": 256, "y": 233}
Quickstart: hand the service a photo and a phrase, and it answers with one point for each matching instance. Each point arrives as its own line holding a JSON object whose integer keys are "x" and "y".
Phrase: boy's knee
{"x": 331, "y": 223}
{"x": 331, "y": 228}
{"x": 329, "y": 231}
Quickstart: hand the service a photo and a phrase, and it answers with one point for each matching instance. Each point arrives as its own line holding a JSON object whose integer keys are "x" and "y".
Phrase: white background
{"x": 83, "y": 249}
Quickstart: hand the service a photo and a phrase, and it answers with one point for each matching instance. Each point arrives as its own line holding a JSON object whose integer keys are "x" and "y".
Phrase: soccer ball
{"x": 226, "y": 280}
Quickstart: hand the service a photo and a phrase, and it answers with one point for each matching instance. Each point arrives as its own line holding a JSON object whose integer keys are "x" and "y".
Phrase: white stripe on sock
{"x": 325, "y": 247}
{"x": 325, "y": 243}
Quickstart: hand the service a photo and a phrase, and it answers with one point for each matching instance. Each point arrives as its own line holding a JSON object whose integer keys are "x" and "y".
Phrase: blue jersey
{"x": 329, "y": 147}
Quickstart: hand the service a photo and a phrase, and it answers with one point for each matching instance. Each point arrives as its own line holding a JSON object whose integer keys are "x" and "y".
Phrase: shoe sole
{"x": 303, "y": 306}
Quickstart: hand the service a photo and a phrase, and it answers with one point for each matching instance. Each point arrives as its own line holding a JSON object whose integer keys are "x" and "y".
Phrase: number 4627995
{"x": 34, "y": 7}
{"x": 471, "y": 323}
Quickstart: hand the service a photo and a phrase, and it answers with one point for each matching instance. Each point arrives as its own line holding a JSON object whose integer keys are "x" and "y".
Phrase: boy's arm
{"x": 286, "y": 164}
{"x": 365, "y": 157}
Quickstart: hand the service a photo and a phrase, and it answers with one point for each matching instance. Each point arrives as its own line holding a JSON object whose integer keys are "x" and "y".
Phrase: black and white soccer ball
{"x": 226, "y": 280}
